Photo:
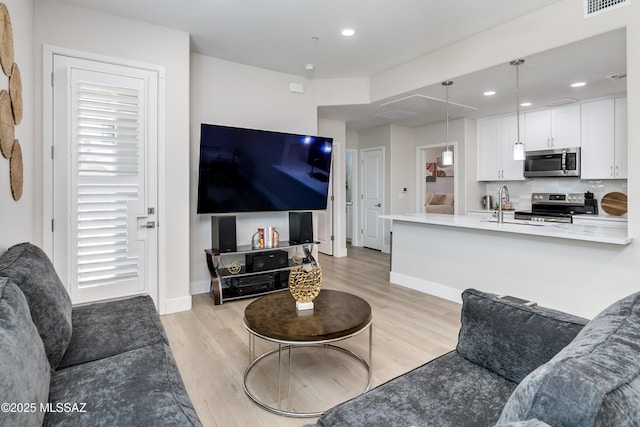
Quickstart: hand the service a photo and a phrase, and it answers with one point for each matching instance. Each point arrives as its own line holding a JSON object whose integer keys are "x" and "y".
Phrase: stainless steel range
{"x": 559, "y": 207}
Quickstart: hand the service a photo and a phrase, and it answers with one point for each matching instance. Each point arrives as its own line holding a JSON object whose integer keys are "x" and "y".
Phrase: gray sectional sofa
{"x": 106, "y": 364}
{"x": 516, "y": 365}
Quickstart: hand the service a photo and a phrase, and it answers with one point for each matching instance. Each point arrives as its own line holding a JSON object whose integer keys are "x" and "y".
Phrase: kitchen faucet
{"x": 506, "y": 195}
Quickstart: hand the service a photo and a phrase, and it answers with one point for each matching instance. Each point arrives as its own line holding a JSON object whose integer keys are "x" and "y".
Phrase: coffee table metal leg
{"x": 279, "y": 365}
{"x": 252, "y": 348}
{"x": 289, "y": 383}
{"x": 370, "y": 367}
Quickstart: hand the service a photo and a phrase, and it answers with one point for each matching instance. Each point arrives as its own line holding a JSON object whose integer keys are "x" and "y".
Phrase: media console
{"x": 249, "y": 272}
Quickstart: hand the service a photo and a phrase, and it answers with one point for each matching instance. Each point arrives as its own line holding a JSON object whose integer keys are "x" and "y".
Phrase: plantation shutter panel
{"x": 107, "y": 156}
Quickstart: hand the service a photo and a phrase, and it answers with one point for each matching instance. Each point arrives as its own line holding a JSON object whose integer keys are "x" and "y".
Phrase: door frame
{"x": 420, "y": 183}
{"x": 48, "y": 52}
{"x": 355, "y": 201}
{"x": 327, "y": 219}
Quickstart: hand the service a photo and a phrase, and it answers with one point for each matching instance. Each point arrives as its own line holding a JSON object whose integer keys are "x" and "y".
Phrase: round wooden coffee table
{"x": 336, "y": 316}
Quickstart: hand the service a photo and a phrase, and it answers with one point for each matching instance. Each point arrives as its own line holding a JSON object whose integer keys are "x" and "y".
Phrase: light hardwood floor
{"x": 211, "y": 345}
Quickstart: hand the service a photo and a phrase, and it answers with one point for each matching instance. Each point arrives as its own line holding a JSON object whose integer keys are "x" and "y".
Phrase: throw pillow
{"x": 594, "y": 381}
{"x": 437, "y": 199}
{"x": 24, "y": 369}
{"x": 509, "y": 338}
{"x": 31, "y": 270}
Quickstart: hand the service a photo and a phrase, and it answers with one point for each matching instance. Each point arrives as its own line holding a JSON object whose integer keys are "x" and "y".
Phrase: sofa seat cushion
{"x": 448, "y": 391}
{"x": 594, "y": 381}
{"x": 31, "y": 270}
{"x": 105, "y": 329}
{"x": 24, "y": 368}
{"x": 510, "y": 338}
{"x": 141, "y": 387}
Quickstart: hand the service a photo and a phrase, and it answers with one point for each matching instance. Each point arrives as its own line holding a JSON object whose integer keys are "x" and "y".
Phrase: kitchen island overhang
{"x": 557, "y": 267}
{"x": 588, "y": 233}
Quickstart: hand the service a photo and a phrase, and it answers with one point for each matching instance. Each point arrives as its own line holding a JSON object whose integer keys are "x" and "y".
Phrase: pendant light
{"x": 447, "y": 155}
{"x": 518, "y": 147}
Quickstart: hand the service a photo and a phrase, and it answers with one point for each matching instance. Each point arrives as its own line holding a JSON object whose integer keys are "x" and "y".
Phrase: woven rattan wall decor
{"x": 10, "y": 106}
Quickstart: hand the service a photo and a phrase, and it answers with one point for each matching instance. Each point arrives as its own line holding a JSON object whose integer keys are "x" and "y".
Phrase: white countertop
{"x": 600, "y": 217}
{"x": 601, "y": 234}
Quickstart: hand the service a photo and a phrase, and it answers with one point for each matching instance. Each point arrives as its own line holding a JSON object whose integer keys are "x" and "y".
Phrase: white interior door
{"x": 372, "y": 197}
{"x": 105, "y": 179}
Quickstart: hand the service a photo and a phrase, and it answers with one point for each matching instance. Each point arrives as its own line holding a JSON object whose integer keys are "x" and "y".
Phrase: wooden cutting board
{"x": 614, "y": 203}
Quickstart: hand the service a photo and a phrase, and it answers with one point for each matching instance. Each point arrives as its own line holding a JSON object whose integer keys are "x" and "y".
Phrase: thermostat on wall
{"x": 296, "y": 87}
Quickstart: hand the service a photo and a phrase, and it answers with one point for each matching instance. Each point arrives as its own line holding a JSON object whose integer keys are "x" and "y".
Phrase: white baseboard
{"x": 176, "y": 305}
{"x": 201, "y": 287}
{"x": 431, "y": 288}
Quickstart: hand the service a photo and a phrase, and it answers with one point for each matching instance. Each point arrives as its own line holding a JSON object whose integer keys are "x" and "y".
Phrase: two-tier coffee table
{"x": 336, "y": 316}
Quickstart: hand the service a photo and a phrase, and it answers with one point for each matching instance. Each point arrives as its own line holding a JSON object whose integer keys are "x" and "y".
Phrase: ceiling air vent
{"x": 596, "y": 7}
{"x": 396, "y": 114}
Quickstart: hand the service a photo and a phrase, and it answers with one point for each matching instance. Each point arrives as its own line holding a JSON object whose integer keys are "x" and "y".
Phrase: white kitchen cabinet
{"x": 604, "y": 139}
{"x": 553, "y": 128}
{"x": 496, "y": 137}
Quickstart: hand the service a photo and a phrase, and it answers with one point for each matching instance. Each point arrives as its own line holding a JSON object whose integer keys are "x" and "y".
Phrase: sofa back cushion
{"x": 594, "y": 381}
{"x": 24, "y": 368}
{"x": 509, "y": 338}
{"x": 31, "y": 270}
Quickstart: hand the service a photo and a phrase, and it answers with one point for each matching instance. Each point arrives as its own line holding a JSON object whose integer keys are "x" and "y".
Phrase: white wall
{"x": 17, "y": 219}
{"x": 403, "y": 174}
{"x": 63, "y": 25}
{"x": 232, "y": 94}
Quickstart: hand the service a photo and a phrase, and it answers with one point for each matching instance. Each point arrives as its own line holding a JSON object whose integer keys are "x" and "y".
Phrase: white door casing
{"x": 372, "y": 197}
{"x": 104, "y": 192}
{"x": 325, "y": 223}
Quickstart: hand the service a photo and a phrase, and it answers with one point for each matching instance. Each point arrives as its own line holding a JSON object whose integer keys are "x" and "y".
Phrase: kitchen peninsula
{"x": 564, "y": 266}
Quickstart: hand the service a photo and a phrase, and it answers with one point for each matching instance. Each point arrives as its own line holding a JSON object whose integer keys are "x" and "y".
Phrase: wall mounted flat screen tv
{"x": 251, "y": 170}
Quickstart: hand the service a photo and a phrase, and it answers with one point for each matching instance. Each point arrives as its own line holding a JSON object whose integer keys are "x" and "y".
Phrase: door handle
{"x": 379, "y": 205}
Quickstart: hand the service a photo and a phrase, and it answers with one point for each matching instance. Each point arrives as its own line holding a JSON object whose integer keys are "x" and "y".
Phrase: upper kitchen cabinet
{"x": 604, "y": 139}
{"x": 553, "y": 128}
{"x": 496, "y": 137}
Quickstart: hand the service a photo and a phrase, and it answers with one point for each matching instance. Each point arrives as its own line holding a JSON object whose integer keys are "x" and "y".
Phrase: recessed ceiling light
{"x": 309, "y": 67}
{"x": 348, "y": 32}
{"x": 578, "y": 84}
{"x": 489, "y": 93}
{"x": 526, "y": 104}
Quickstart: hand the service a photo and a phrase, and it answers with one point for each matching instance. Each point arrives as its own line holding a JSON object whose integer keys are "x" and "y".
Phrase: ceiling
{"x": 545, "y": 80}
{"x": 279, "y": 35}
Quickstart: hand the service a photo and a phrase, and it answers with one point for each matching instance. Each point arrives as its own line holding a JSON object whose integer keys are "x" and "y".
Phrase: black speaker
{"x": 300, "y": 227}
{"x": 262, "y": 261}
{"x": 223, "y": 233}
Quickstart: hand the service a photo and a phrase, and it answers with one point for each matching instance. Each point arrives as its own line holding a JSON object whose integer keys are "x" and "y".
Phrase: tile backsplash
{"x": 520, "y": 191}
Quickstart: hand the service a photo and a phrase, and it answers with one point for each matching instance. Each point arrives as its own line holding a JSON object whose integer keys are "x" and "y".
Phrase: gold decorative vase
{"x": 305, "y": 285}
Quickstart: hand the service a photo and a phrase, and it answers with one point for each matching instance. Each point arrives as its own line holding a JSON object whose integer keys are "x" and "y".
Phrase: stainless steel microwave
{"x": 563, "y": 162}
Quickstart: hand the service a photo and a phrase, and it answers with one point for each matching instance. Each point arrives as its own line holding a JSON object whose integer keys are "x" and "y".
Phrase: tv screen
{"x": 250, "y": 170}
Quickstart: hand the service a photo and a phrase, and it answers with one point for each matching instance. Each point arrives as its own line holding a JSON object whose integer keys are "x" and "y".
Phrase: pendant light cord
{"x": 446, "y": 84}
{"x": 518, "y": 100}
{"x": 447, "y": 135}
{"x": 517, "y": 64}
